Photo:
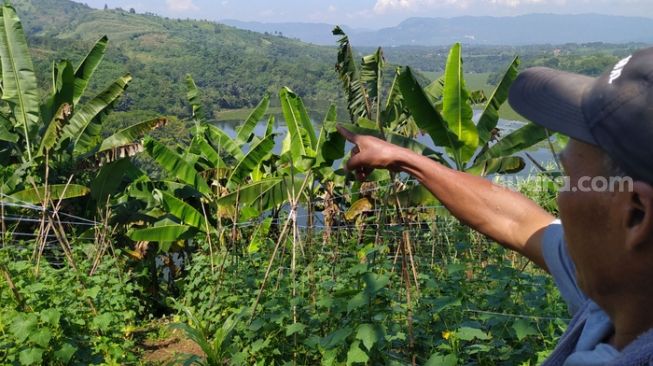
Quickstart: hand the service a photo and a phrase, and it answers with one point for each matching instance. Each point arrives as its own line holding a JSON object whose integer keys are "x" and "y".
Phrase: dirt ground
{"x": 164, "y": 352}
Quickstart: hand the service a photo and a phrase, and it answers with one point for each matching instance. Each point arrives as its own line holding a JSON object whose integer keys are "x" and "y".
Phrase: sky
{"x": 371, "y": 14}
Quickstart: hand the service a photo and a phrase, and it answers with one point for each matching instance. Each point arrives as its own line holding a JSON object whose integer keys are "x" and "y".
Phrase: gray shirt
{"x": 590, "y": 348}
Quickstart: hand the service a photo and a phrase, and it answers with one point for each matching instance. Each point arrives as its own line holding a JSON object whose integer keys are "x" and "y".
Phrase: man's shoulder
{"x": 561, "y": 266}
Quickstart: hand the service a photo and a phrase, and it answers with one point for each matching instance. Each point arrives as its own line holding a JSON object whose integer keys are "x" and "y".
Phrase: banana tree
{"x": 43, "y": 143}
{"x": 390, "y": 119}
{"x": 364, "y": 89}
{"x": 304, "y": 167}
{"x": 472, "y": 147}
{"x": 213, "y": 165}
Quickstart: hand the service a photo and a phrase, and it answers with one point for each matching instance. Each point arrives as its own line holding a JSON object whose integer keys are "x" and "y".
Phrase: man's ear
{"x": 638, "y": 218}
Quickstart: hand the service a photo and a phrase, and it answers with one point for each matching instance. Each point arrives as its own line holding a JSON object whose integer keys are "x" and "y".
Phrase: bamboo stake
{"x": 269, "y": 267}
{"x": 43, "y": 232}
{"x": 208, "y": 236}
{"x": 14, "y": 290}
{"x": 234, "y": 229}
{"x": 103, "y": 236}
{"x": 282, "y": 236}
{"x": 405, "y": 243}
{"x": 2, "y": 218}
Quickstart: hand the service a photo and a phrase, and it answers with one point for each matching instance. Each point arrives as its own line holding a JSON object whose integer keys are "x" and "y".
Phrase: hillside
{"x": 316, "y": 33}
{"x": 233, "y": 67}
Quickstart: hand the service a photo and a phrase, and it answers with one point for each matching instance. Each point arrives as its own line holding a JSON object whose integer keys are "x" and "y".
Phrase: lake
{"x": 540, "y": 152}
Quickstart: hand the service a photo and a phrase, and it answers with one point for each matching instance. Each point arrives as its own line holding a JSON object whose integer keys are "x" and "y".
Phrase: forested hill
{"x": 233, "y": 67}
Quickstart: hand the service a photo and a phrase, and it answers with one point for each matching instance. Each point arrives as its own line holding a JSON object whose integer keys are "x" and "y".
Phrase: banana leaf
{"x": 400, "y": 140}
{"x": 264, "y": 194}
{"x": 57, "y": 192}
{"x": 331, "y": 144}
{"x": 303, "y": 141}
{"x": 269, "y": 128}
{"x": 206, "y": 151}
{"x": 502, "y": 165}
{"x": 358, "y": 208}
{"x": 490, "y": 116}
{"x": 84, "y": 128}
{"x": 193, "y": 96}
{"x": 372, "y": 75}
{"x": 55, "y": 128}
{"x": 93, "y": 161}
{"x": 477, "y": 97}
{"x": 175, "y": 165}
{"x": 251, "y": 160}
{"x": 517, "y": 141}
{"x": 87, "y": 68}
{"x": 244, "y": 133}
{"x": 222, "y": 142}
{"x": 426, "y": 116}
{"x": 19, "y": 86}
{"x": 416, "y": 196}
{"x": 259, "y": 236}
{"x": 165, "y": 233}
{"x": 357, "y": 103}
{"x": 395, "y": 116}
{"x": 110, "y": 177}
{"x": 456, "y": 110}
{"x": 435, "y": 89}
{"x": 128, "y": 135}
{"x": 6, "y": 129}
{"x": 63, "y": 87}
{"x": 249, "y": 193}
{"x": 182, "y": 210}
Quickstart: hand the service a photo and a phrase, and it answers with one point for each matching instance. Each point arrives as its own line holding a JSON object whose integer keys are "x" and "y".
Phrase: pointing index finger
{"x": 350, "y": 136}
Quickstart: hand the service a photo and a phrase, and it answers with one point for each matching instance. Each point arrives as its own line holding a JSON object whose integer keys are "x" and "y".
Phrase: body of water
{"x": 540, "y": 152}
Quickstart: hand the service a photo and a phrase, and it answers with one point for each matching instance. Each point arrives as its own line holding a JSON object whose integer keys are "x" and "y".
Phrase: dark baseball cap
{"x": 613, "y": 111}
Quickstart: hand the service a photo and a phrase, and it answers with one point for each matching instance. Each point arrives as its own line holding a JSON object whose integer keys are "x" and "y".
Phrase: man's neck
{"x": 630, "y": 318}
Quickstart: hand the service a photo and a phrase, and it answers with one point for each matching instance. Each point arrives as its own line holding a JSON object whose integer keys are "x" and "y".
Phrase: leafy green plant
{"x": 57, "y": 320}
{"x": 217, "y": 347}
{"x": 42, "y": 144}
{"x": 473, "y": 147}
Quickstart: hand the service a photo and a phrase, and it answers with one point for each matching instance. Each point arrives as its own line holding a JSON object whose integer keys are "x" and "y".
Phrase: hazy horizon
{"x": 370, "y": 14}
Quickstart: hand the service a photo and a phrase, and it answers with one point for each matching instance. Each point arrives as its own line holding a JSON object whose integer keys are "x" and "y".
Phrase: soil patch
{"x": 164, "y": 351}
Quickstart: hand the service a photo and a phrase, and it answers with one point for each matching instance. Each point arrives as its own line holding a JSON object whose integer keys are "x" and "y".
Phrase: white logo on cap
{"x": 618, "y": 68}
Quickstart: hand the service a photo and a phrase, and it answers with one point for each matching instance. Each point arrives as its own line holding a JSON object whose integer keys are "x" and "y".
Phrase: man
{"x": 600, "y": 252}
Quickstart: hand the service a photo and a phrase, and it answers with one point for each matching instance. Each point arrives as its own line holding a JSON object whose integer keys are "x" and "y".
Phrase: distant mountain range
{"x": 519, "y": 30}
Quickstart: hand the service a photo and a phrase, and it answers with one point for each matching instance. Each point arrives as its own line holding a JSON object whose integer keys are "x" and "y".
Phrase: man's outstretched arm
{"x": 507, "y": 217}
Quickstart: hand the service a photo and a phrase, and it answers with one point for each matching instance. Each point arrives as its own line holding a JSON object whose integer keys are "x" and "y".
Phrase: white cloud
{"x": 181, "y": 5}
{"x": 382, "y": 6}
{"x": 514, "y": 3}
{"x": 332, "y": 8}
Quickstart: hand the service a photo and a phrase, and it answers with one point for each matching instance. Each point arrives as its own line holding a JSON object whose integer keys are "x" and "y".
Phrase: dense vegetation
{"x": 258, "y": 244}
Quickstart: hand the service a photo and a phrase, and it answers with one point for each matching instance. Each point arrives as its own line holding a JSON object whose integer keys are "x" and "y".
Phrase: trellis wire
{"x": 516, "y": 316}
{"x": 29, "y": 219}
{"x": 12, "y": 202}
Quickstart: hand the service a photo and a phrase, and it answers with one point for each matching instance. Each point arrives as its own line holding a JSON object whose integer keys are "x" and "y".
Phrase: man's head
{"x": 609, "y": 228}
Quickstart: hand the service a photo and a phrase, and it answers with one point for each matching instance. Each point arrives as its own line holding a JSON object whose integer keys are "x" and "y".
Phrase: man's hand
{"x": 369, "y": 153}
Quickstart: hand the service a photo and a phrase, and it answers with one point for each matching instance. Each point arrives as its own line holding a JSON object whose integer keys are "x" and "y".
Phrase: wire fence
{"x": 37, "y": 216}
